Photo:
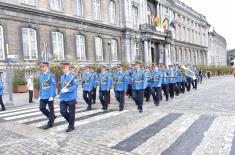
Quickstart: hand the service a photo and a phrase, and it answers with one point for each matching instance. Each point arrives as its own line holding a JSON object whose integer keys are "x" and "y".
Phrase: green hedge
{"x": 217, "y": 70}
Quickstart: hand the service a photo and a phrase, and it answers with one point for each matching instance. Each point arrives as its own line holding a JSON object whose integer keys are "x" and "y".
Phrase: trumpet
{"x": 189, "y": 72}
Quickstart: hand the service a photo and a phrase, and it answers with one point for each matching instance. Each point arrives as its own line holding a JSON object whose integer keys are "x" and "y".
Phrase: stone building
{"x": 217, "y": 54}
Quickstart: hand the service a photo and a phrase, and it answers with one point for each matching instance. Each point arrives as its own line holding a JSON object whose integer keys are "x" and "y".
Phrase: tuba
{"x": 189, "y": 72}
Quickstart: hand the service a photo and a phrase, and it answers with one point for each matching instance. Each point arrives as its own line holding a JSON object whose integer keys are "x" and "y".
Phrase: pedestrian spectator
{"x": 1, "y": 93}
{"x": 30, "y": 88}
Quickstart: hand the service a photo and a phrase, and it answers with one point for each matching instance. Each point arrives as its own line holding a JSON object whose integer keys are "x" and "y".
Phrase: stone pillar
{"x": 127, "y": 49}
{"x": 146, "y": 55}
{"x": 161, "y": 53}
{"x": 158, "y": 9}
{"x": 168, "y": 54}
{"x": 150, "y": 52}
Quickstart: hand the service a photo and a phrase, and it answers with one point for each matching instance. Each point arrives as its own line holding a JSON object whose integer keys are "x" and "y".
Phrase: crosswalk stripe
{"x": 61, "y": 119}
{"x": 30, "y": 113}
{"x": 140, "y": 137}
{"x": 131, "y": 129}
{"x": 218, "y": 138}
{"x": 88, "y": 120}
{"x": 166, "y": 136}
{"x": 18, "y": 109}
{"x": 187, "y": 142}
{"x": 42, "y": 117}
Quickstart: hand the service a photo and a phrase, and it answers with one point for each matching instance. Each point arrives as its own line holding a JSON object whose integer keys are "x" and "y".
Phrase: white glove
{"x": 51, "y": 99}
{"x": 64, "y": 90}
{"x": 39, "y": 98}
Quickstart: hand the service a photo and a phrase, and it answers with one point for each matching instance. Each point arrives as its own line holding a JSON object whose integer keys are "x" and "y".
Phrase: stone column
{"x": 146, "y": 52}
{"x": 150, "y": 52}
{"x": 158, "y": 9}
{"x": 161, "y": 53}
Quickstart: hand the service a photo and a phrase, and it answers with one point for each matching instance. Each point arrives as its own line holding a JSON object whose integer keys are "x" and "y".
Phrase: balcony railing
{"x": 149, "y": 27}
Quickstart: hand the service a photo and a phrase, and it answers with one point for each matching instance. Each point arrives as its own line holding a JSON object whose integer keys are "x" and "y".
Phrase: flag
{"x": 165, "y": 23}
{"x": 173, "y": 24}
{"x": 157, "y": 21}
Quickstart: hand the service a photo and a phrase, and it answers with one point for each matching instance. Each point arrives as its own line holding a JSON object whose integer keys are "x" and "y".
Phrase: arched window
{"x": 30, "y": 49}
{"x": 58, "y": 45}
{"x": 114, "y": 50}
{"x": 112, "y": 12}
{"x": 78, "y": 5}
{"x": 96, "y": 9}
{"x": 99, "y": 49}
{"x": 149, "y": 15}
{"x": 2, "y": 51}
{"x": 81, "y": 47}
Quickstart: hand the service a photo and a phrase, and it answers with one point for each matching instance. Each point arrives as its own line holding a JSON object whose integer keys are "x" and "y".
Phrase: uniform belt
{"x": 46, "y": 87}
{"x": 139, "y": 81}
{"x": 103, "y": 82}
{"x": 119, "y": 82}
{"x": 87, "y": 83}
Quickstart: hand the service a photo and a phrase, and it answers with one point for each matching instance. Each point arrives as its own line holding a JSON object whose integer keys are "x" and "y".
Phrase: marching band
{"x": 137, "y": 82}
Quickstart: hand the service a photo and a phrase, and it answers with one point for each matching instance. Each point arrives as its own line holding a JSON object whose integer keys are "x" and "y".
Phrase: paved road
{"x": 199, "y": 122}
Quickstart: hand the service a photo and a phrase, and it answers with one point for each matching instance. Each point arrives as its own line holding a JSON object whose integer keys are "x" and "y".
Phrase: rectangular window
{"x": 58, "y": 45}
{"x": 81, "y": 47}
{"x": 99, "y": 49}
{"x": 29, "y": 38}
{"x": 2, "y": 51}
{"x": 29, "y": 2}
{"x": 56, "y": 5}
{"x": 135, "y": 16}
{"x": 137, "y": 51}
{"x": 78, "y": 4}
{"x": 114, "y": 50}
{"x": 96, "y": 10}
{"x": 112, "y": 12}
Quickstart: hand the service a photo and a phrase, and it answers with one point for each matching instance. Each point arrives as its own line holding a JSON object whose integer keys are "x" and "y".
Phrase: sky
{"x": 219, "y": 14}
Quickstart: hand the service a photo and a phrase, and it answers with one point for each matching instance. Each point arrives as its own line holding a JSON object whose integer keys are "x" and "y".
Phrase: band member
{"x": 47, "y": 92}
{"x": 1, "y": 93}
{"x": 105, "y": 83}
{"x": 94, "y": 90}
{"x": 156, "y": 84}
{"x": 68, "y": 95}
{"x": 196, "y": 73}
{"x": 129, "y": 82}
{"x": 147, "y": 91}
{"x": 139, "y": 85}
{"x": 165, "y": 81}
{"x": 172, "y": 81}
{"x": 188, "y": 79}
{"x": 88, "y": 86}
{"x": 120, "y": 86}
{"x": 183, "y": 81}
{"x": 178, "y": 79}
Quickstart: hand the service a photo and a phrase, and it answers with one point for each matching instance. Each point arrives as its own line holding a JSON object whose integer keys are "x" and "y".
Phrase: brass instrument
{"x": 189, "y": 72}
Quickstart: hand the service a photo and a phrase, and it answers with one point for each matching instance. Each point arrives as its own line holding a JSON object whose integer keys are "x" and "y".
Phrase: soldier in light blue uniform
{"x": 165, "y": 81}
{"x": 47, "y": 93}
{"x": 68, "y": 95}
{"x": 178, "y": 79}
{"x": 129, "y": 82}
{"x": 172, "y": 81}
{"x": 139, "y": 81}
{"x": 105, "y": 84}
{"x": 120, "y": 86}
{"x": 88, "y": 86}
{"x": 156, "y": 75}
{"x": 147, "y": 91}
{"x": 94, "y": 90}
{"x": 1, "y": 93}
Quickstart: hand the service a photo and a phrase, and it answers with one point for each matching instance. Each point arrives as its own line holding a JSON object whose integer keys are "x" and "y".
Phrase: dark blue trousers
{"x": 138, "y": 96}
{"x": 120, "y": 96}
{"x": 87, "y": 96}
{"x": 67, "y": 110}
{"x": 50, "y": 114}
{"x": 156, "y": 92}
{"x": 104, "y": 98}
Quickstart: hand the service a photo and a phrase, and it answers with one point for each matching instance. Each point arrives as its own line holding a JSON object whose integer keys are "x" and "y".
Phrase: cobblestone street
{"x": 200, "y": 122}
